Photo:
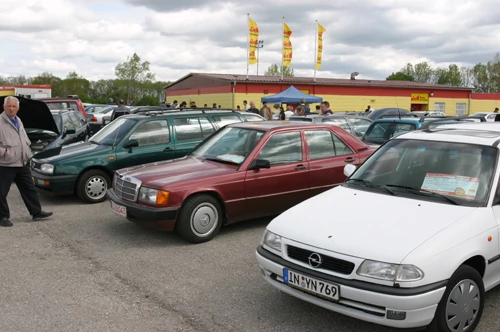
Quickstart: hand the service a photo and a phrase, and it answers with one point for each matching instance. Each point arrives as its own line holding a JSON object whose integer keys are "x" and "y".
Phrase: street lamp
{"x": 260, "y": 44}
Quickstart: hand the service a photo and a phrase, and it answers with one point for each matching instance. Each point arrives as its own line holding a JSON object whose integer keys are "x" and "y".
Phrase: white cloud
{"x": 372, "y": 37}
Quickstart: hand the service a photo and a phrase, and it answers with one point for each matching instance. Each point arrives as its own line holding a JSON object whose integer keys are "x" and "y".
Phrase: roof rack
{"x": 180, "y": 110}
{"x": 448, "y": 120}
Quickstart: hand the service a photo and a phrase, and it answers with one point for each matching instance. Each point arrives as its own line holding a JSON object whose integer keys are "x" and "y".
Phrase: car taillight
{"x": 94, "y": 119}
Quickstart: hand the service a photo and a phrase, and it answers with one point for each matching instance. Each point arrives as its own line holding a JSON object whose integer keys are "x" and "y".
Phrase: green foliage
{"x": 275, "y": 70}
{"x": 134, "y": 82}
{"x": 400, "y": 76}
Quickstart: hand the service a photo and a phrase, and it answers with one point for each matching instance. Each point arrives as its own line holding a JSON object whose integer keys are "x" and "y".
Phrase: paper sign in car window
{"x": 232, "y": 158}
{"x": 451, "y": 185}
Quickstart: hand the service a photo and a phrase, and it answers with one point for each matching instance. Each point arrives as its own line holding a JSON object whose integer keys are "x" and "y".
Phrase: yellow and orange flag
{"x": 287, "y": 46}
{"x": 253, "y": 39}
{"x": 319, "y": 55}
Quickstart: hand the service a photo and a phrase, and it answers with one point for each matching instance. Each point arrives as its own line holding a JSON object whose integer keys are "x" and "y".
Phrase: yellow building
{"x": 229, "y": 91}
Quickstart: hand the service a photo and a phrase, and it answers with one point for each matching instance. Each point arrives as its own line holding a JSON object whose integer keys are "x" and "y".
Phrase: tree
{"x": 275, "y": 70}
{"x": 422, "y": 72}
{"x": 75, "y": 84}
{"x": 133, "y": 71}
{"x": 400, "y": 76}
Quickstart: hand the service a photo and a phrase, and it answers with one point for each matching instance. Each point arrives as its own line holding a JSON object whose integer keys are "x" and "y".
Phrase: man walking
{"x": 120, "y": 111}
{"x": 14, "y": 155}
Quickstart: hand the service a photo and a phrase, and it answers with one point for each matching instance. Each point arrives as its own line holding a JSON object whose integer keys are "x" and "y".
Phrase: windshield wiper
{"x": 370, "y": 184}
{"x": 222, "y": 161}
{"x": 423, "y": 192}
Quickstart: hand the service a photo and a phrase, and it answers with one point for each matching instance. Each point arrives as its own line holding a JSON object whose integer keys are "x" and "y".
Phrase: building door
{"x": 416, "y": 107}
{"x": 440, "y": 107}
{"x": 461, "y": 109}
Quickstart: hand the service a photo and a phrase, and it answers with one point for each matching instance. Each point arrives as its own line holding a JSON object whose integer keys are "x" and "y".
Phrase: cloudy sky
{"x": 372, "y": 37}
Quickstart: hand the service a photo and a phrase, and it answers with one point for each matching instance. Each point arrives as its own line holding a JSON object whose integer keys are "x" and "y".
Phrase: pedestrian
{"x": 220, "y": 106}
{"x": 325, "y": 108}
{"x": 120, "y": 111}
{"x": 266, "y": 112}
{"x": 245, "y": 105}
{"x": 289, "y": 112}
{"x": 252, "y": 108}
{"x": 303, "y": 104}
{"x": 110, "y": 102}
{"x": 14, "y": 155}
{"x": 183, "y": 104}
{"x": 282, "y": 115}
{"x": 368, "y": 108}
{"x": 131, "y": 103}
{"x": 175, "y": 104}
{"x": 193, "y": 104}
{"x": 496, "y": 110}
{"x": 300, "y": 111}
{"x": 205, "y": 106}
{"x": 238, "y": 108}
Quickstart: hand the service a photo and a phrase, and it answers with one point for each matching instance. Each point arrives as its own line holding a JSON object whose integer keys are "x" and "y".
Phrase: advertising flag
{"x": 253, "y": 40}
{"x": 319, "y": 55}
{"x": 287, "y": 46}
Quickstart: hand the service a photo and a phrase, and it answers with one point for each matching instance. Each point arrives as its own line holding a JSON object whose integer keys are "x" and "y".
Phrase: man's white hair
{"x": 10, "y": 98}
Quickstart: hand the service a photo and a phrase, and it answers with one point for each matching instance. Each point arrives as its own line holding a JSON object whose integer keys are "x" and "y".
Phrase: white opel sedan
{"x": 411, "y": 239}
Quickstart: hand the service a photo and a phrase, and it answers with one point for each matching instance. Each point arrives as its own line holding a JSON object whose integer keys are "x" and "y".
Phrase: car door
{"x": 189, "y": 131}
{"x": 153, "y": 143}
{"x": 270, "y": 191}
{"x": 327, "y": 156}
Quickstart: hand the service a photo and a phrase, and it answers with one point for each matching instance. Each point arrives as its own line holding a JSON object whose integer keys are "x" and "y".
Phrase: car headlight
{"x": 272, "y": 240}
{"x": 390, "y": 272}
{"x": 47, "y": 168}
{"x": 153, "y": 196}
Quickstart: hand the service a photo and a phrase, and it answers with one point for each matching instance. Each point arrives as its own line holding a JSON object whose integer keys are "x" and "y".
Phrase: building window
{"x": 461, "y": 109}
{"x": 439, "y": 107}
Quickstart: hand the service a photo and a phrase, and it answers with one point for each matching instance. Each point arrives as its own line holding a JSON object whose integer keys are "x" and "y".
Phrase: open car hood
{"x": 34, "y": 114}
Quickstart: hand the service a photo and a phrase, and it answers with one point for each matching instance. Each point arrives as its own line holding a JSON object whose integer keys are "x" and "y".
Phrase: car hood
{"x": 366, "y": 225}
{"x": 69, "y": 151}
{"x": 34, "y": 114}
{"x": 161, "y": 174}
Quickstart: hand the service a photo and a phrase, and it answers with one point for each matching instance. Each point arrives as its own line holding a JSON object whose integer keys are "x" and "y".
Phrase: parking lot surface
{"x": 87, "y": 269}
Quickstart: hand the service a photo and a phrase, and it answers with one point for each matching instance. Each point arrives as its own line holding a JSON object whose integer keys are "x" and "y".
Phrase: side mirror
{"x": 258, "y": 164}
{"x": 349, "y": 169}
{"x": 133, "y": 143}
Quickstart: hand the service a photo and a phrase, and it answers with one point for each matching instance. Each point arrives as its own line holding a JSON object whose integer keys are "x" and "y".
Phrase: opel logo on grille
{"x": 315, "y": 260}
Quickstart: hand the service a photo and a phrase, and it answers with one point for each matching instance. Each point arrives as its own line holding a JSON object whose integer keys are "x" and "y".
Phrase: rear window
{"x": 381, "y": 132}
{"x": 62, "y": 105}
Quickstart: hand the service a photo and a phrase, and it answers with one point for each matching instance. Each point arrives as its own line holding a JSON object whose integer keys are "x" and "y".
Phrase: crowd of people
{"x": 265, "y": 111}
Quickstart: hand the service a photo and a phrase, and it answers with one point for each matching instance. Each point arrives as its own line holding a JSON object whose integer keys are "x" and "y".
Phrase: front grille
{"x": 328, "y": 263}
{"x": 127, "y": 188}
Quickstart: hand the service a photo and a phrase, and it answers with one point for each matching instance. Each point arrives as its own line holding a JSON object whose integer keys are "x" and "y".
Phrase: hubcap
{"x": 204, "y": 219}
{"x": 462, "y": 306}
{"x": 96, "y": 187}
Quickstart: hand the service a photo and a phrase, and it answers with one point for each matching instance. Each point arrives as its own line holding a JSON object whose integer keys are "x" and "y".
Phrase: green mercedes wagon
{"x": 86, "y": 168}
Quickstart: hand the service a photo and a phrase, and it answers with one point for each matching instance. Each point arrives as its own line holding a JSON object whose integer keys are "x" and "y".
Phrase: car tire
{"x": 92, "y": 186}
{"x": 200, "y": 219}
{"x": 468, "y": 308}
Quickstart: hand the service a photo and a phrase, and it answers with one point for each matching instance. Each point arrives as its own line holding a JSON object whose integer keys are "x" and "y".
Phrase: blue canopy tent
{"x": 291, "y": 96}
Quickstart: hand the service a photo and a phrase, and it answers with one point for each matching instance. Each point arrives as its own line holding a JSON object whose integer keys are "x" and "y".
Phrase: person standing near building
{"x": 245, "y": 105}
{"x": 325, "y": 108}
{"x": 303, "y": 104}
{"x": 496, "y": 110}
{"x": 120, "y": 111}
{"x": 14, "y": 155}
{"x": 253, "y": 109}
{"x": 266, "y": 112}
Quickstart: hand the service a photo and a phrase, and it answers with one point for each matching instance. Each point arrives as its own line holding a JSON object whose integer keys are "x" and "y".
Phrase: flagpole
{"x": 248, "y": 43}
{"x": 282, "y": 46}
{"x": 315, "y": 50}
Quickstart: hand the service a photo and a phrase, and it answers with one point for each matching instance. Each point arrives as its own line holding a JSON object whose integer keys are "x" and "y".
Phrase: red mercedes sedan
{"x": 243, "y": 171}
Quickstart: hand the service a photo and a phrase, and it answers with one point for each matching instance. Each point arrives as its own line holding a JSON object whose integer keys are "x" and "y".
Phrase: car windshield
{"x": 105, "y": 109}
{"x": 381, "y": 132}
{"x": 57, "y": 120}
{"x": 113, "y": 133}
{"x": 444, "y": 172}
{"x": 230, "y": 145}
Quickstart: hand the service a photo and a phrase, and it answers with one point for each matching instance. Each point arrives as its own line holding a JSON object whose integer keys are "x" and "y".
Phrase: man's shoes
{"x": 5, "y": 222}
{"x": 42, "y": 215}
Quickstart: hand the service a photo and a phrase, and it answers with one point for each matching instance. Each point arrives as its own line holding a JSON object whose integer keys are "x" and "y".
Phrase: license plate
{"x": 311, "y": 285}
{"x": 119, "y": 209}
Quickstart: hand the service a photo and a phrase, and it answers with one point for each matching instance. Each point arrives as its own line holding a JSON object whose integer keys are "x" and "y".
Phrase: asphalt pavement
{"x": 87, "y": 269}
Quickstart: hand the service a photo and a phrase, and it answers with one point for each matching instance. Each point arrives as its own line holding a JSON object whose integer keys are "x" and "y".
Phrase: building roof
{"x": 319, "y": 81}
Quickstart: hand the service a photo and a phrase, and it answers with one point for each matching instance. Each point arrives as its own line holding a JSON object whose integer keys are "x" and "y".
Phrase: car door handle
{"x": 349, "y": 159}
{"x": 168, "y": 149}
{"x": 298, "y": 167}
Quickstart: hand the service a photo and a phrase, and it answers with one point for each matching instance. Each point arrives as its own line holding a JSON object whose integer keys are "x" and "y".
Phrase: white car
{"x": 411, "y": 239}
{"x": 489, "y": 116}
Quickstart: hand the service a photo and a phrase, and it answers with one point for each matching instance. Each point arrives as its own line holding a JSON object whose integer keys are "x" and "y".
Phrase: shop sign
{"x": 419, "y": 98}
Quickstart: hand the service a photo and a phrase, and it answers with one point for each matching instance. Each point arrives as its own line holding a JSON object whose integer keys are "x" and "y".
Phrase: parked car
{"x": 423, "y": 249}
{"x": 252, "y": 116}
{"x": 86, "y": 169}
{"x": 92, "y": 108}
{"x": 382, "y": 130}
{"x": 488, "y": 116}
{"x": 428, "y": 113}
{"x": 244, "y": 171}
{"x": 97, "y": 119}
{"x": 354, "y": 124}
{"x": 71, "y": 125}
{"x": 70, "y": 102}
{"x": 376, "y": 114}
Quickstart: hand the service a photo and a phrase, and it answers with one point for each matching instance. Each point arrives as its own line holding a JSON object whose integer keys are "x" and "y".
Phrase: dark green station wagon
{"x": 87, "y": 168}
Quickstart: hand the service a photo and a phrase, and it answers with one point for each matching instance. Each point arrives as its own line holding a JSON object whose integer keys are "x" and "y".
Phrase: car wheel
{"x": 462, "y": 304}
{"x": 200, "y": 219}
{"x": 92, "y": 186}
